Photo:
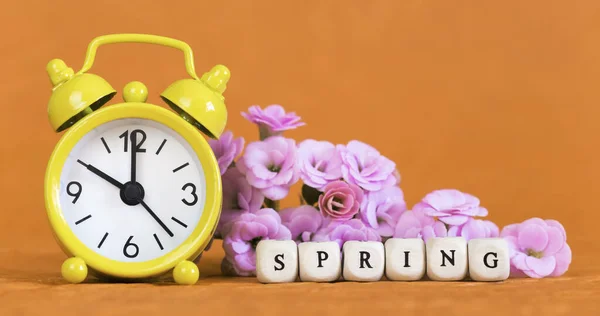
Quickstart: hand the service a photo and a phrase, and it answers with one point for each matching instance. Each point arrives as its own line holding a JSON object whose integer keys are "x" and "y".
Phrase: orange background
{"x": 496, "y": 98}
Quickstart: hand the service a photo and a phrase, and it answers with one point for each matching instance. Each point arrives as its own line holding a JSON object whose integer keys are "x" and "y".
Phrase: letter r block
{"x": 447, "y": 258}
{"x": 363, "y": 261}
{"x": 489, "y": 259}
{"x": 276, "y": 261}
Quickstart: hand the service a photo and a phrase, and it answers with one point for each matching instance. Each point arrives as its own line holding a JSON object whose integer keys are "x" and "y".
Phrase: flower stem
{"x": 272, "y": 204}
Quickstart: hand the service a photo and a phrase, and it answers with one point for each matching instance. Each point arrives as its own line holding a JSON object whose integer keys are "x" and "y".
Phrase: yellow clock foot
{"x": 74, "y": 270}
{"x": 186, "y": 272}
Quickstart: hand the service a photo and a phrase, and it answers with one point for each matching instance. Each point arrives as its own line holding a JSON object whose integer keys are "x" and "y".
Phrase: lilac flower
{"x": 238, "y": 197}
{"x": 320, "y": 163}
{"x": 538, "y": 248}
{"x": 250, "y": 228}
{"x": 451, "y": 206}
{"x": 382, "y": 209}
{"x": 226, "y": 149}
{"x": 302, "y": 221}
{"x": 474, "y": 228}
{"x": 270, "y": 165}
{"x": 415, "y": 224}
{"x": 341, "y": 232}
{"x": 340, "y": 201}
{"x": 364, "y": 166}
{"x": 273, "y": 120}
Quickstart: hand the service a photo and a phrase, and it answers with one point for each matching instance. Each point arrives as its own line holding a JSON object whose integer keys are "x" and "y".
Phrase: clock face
{"x": 132, "y": 217}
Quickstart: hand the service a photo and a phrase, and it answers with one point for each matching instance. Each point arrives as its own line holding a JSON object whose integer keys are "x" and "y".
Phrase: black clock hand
{"x": 155, "y": 217}
{"x": 133, "y": 155}
{"x": 101, "y": 174}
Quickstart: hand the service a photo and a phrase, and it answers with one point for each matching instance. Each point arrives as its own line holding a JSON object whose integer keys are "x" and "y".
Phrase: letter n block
{"x": 320, "y": 261}
{"x": 489, "y": 259}
{"x": 363, "y": 261}
{"x": 276, "y": 261}
{"x": 447, "y": 258}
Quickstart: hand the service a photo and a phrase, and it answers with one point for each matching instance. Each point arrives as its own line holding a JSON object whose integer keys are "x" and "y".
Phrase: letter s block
{"x": 363, "y": 261}
{"x": 276, "y": 261}
{"x": 489, "y": 259}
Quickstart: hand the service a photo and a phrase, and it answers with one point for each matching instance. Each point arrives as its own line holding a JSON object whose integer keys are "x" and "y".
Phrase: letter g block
{"x": 489, "y": 259}
{"x": 276, "y": 261}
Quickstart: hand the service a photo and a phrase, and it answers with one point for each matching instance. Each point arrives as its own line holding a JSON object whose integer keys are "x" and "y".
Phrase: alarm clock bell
{"x": 199, "y": 101}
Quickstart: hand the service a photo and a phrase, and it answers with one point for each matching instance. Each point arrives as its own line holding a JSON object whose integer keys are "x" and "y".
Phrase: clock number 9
{"x": 129, "y": 244}
{"x": 75, "y": 194}
{"x": 193, "y": 202}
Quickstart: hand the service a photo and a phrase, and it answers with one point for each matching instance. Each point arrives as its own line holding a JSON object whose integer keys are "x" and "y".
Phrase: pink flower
{"x": 320, "y": 163}
{"x": 302, "y": 221}
{"x": 272, "y": 120}
{"x": 271, "y": 166}
{"x": 474, "y": 228}
{"x": 241, "y": 241}
{"x": 238, "y": 197}
{"x": 538, "y": 248}
{"x": 340, "y": 232}
{"x": 364, "y": 166}
{"x": 415, "y": 224}
{"x": 226, "y": 149}
{"x": 451, "y": 206}
{"x": 382, "y": 209}
{"x": 340, "y": 201}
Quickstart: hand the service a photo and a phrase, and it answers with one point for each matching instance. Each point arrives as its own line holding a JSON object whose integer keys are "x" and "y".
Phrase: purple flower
{"x": 270, "y": 165}
{"x": 340, "y": 232}
{"x": 364, "y": 166}
{"x": 474, "y": 228}
{"x": 302, "y": 221}
{"x": 273, "y": 120}
{"x": 340, "y": 201}
{"x": 451, "y": 206}
{"x": 238, "y": 197}
{"x": 415, "y": 224}
{"x": 226, "y": 149}
{"x": 250, "y": 228}
{"x": 382, "y": 209}
{"x": 538, "y": 248}
{"x": 320, "y": 163}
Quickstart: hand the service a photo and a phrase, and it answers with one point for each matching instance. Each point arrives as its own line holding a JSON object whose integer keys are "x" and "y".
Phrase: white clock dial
{"x": 102, "y": 205}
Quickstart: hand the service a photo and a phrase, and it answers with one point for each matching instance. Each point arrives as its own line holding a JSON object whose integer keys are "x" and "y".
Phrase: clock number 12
{"x": 138, "y": 146}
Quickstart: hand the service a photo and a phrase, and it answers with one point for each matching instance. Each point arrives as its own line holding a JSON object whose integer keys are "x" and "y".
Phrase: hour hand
{"x": 101, "y": 174}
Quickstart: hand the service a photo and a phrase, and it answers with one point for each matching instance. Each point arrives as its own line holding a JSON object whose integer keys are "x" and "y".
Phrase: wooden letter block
{"x": 320, "y": 261}
{"x": 276, "y": 261}
{"x": 405, "y": 259}
{"x": 489, "y": 259}
{"x": 447, "y": 258}
{"x": 363, "y": 261}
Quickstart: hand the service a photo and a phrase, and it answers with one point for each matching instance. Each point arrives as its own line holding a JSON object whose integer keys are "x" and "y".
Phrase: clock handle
{"x": 139, "y": 38}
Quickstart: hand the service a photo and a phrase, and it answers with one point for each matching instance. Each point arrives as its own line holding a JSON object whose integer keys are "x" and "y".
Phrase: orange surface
{"x": 496, "y": 98}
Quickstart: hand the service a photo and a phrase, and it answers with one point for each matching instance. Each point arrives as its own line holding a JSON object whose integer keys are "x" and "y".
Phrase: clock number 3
{"x": 138, "y": 146}
{"x": 193, "y": 202}
{"x": 127, "y": 247}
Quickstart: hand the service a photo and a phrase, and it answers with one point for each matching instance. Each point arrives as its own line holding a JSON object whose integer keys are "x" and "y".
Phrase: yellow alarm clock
{"x": 133, "y": 190}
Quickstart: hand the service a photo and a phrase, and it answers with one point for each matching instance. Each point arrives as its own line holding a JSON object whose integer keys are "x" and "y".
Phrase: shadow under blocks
{"x": 400, "y": 259}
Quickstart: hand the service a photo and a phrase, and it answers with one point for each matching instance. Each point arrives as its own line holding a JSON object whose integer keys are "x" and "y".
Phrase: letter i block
{"x": 320, "y": 261}
{"x": 405, "y": 259}
{"x": 447, "y": 258}
{"x": 489, "y": 259}
{"x": 363, "y": 261}
{"x": 276, "y": 261}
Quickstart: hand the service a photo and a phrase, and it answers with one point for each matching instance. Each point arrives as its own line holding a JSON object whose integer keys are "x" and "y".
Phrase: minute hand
{"x": 156, "y": 217}
{"x": 101, "y": 174}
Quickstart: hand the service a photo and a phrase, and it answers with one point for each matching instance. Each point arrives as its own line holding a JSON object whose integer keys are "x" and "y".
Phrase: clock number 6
{"x": 193, "y": 194}
{"x": 75, "y": 194}
{"x": 129, "y": 244}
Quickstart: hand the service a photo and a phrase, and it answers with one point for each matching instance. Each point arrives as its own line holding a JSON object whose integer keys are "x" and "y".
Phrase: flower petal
{"x": 533, "y": 237}
{"x": 563, "y": 260}
{"x": 543, "y": 266}
{"x": 556, "y": 241}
